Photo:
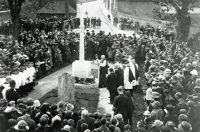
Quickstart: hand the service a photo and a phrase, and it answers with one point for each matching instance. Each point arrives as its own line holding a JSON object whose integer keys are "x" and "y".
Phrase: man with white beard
{"x": 131, "y": 76}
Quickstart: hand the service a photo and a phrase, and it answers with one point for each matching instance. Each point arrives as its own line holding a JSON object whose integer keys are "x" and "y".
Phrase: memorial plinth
{"x": 81, "y": 69}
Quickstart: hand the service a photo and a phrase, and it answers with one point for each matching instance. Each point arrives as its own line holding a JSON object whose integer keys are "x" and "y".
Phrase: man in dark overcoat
{"x": 11, "y": 94}
{"x": 121, "y": 104}
{"x": 112, "y": 84}
{"x": 120, "y": 75}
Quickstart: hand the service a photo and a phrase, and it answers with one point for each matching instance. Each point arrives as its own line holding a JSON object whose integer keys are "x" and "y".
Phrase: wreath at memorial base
{"x": 86, "y": 81}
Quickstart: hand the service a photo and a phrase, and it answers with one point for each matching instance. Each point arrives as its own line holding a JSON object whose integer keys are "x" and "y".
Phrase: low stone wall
{"x": 86, "y": 96}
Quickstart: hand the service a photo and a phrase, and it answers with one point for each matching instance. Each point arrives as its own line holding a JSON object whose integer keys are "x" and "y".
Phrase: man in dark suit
{"x": 85, "y": 118}
{"x": 11, "y": 94}
{"x": 131, "y": 106}
{"x": 27, "y": 118}
{"x": 120, "y": 75}
{"x": 121, "y": 104}
{"x": 112, "y": 85}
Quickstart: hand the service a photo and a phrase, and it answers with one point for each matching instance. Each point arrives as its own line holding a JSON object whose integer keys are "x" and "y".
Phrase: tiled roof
{"x": 57, "y": 7}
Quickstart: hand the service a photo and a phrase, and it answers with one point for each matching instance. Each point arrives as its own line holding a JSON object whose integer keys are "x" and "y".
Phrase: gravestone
{"x": 66, "y": 88}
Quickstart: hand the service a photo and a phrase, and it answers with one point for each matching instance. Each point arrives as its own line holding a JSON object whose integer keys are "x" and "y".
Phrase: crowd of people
{"x": 172, "y": 89}
{"x": 92, "y": 22}
{"x": 127, "y": 23}
{"x": 172, "y": 70}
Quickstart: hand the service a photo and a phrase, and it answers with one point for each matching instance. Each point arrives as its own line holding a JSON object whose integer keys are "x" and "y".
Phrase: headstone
{"x": 66, "y": 88}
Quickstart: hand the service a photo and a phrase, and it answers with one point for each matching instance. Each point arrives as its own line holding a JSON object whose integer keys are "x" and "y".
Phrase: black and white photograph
{"x": 99, "y": 65}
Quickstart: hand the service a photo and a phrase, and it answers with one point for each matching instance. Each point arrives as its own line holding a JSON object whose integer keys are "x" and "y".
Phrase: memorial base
{"x": 81, "y": 69}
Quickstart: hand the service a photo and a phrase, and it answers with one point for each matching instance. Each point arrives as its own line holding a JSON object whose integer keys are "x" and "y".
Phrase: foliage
{"x": 182, "y": 8}
{"x": 161, "y": 14}
{"x": 30, "y": 7}
{"x": 166, "y": 5}
{"x": 3, "y": 5}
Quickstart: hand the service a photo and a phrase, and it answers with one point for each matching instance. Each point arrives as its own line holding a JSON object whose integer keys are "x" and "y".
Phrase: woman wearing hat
{"x": 21, "y": 126}
{"x": 157, "y": 113}
{"x": 185, "y": 127}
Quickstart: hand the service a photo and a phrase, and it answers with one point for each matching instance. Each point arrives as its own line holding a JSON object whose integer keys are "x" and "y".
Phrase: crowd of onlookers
{"x": 171, "y": 70}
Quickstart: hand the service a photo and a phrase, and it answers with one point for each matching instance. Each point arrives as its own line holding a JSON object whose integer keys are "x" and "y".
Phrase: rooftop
{"x": 57, "y": 7}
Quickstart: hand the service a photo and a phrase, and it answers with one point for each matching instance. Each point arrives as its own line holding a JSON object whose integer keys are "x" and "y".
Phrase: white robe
{"x": 17, "y": 79}
{"x": 6, "y": 87}
{"x": 127, "y": 84}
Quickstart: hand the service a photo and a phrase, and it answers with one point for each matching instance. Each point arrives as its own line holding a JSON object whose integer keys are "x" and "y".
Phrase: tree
{"x": 15, "y": 7}
{"x": 182, "y": 8}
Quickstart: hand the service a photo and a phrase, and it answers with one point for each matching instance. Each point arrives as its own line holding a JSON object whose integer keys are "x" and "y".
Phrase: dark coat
{"x": 40, "y": 129}
{"x": 11, "y": 94}
{"x": 121, "y": 125}
{"x": 30, "y": 122}
{"x": 120, "y": 77}
{"x": 130, "y": 102}
{"x": 88, "y": 120}
{"x": 171, "y": 117}
{"x": 112, "y": 81}
{"x": 12, "y": 130}
{"x": 121, "y": 105}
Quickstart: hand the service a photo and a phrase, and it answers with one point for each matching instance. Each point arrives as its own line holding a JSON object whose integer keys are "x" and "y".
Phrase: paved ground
{"x": 50, "y": 82}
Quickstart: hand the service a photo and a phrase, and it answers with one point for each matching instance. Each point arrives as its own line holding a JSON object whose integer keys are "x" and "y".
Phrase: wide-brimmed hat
{"x": 67, "y": 128}
{"x": 70, "y": 106}
{"x": 11, "y": 102}
{"x": 21, "y": 125}
{"x": 194, "y": 72}
{"x": 184, "y": 126}
{"x": 197, "y": 81}
{"x": 167, "y": 70}
{"x": 55, "y": 118}
{"x": 158, "y": 123}
{"x": 183, "y": 117}
{"x": 146, "y": 113}
{"x": 156, "y": 104}
{"x": 155, "y": 95}
{"x": 169, "y": 107}
{"x": 190, "y": 103}
{"x": 119, "y": 117}
{"x": 36, "y": 103}
{"x": 197, "y": 89}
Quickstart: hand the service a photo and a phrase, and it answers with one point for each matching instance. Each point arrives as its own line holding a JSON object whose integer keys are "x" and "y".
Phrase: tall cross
{"x": 81, "y": 44}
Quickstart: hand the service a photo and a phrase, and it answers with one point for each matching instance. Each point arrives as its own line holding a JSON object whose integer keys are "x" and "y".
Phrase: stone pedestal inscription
{"x": 66, "y": 88}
